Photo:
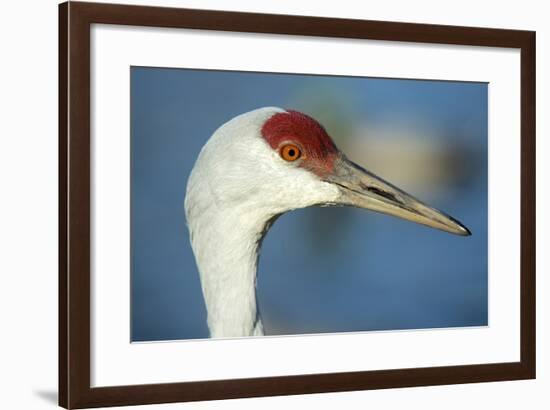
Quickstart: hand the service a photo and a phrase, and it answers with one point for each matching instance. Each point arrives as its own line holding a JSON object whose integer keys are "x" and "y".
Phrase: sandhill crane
{"x": 254, "y": 168}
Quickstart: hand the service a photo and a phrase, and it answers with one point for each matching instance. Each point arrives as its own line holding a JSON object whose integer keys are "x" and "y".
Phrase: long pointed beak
{"x": 362, "y": 189}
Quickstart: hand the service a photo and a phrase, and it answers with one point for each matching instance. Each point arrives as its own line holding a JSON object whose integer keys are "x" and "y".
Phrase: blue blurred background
{"x": 321, "y": 269}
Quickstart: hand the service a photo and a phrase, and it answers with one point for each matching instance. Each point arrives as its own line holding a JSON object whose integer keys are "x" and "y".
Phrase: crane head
{"x": 272, "y": 161}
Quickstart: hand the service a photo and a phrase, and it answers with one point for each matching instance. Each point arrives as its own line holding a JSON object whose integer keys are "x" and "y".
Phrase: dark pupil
{"x": 291, "y": 152}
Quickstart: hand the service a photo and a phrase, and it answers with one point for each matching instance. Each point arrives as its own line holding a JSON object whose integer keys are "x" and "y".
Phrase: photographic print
{"x": 233, "y": 205}
{"x": 267, "y": 204}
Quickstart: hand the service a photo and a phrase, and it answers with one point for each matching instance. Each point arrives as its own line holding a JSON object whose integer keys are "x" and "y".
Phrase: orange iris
{"x": 290, "y": 152}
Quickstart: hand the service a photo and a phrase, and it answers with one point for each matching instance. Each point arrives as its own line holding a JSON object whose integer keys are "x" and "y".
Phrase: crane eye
{"x": 290, "y": 152}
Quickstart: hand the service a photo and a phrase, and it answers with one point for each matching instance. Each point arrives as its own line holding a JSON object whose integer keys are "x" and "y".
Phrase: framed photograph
{"x": 256, "y": 205}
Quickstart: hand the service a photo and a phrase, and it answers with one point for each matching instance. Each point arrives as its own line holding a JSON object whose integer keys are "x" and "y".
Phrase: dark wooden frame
{"x": 75, "y": 20}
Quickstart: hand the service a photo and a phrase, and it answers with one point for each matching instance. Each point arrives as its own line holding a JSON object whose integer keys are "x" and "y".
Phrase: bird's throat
{"x": 226, "y": 250}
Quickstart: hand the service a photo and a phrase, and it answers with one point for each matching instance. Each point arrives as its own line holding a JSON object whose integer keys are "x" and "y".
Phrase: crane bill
{"x": 362, "y": 189}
